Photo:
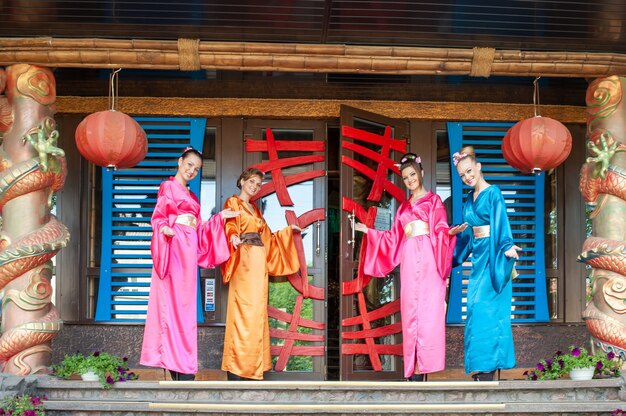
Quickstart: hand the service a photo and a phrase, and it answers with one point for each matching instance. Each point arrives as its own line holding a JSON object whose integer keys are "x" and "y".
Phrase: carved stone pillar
{"x": 32, "y": 169}
{"x": 603, "y": 185}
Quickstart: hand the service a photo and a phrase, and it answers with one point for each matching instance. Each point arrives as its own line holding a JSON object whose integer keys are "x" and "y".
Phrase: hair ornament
{"x": 189, "y": 149}
{"x": 456, "y": 157}
{"x": 411, "y": 156}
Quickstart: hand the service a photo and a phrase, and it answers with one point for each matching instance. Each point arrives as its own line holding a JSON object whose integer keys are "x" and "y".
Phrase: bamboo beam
{"x": 187, "y": 54}
{"x": 317, "y": 109}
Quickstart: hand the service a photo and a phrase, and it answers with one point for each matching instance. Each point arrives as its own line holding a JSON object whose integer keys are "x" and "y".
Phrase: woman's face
{"x": 469, "y": 171}
{"x": 189, "y": 167}
{"x": 252, "y": 185}
{"x": 411, "y": 178}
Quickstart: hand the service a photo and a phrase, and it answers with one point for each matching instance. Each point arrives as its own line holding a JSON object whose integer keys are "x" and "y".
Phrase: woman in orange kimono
{"x": 256, "y": 252}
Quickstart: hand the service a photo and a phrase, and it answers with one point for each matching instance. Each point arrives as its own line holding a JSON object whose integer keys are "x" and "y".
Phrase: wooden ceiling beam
{"x": 317, "y": 109}
{"x": 242, "y": 56}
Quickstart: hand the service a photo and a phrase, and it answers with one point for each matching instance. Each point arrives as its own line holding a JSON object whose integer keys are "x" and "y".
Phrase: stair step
{"x": 173, "y": 398}
{"x": 141, "y": 408}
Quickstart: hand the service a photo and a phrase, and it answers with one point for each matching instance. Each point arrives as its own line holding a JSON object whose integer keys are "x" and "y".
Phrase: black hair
{"x": 191, "y": 150}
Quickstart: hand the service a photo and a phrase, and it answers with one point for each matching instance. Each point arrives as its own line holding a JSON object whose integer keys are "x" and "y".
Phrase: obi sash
{"x": 415, "y": 228}
{"x": 186, "y": 219}
{"x": 481, "y": 231}
{"x": 251, "y": 239}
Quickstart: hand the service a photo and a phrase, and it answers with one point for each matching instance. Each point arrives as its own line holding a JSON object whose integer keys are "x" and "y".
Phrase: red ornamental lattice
{"x": 365, "y": 318}
{"x": 383, "y": 160}
{"x": 275, "y": 165}
{"x": 299, "y": 281}
{"x": 285, "y": 351}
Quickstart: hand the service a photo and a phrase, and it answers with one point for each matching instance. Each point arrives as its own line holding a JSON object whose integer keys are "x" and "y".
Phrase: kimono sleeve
{"x": 443, "y": 243}
{"x": 464, "y": 244}
{"x": 212, "y": 243}
{"x": 232, "y": 226}
{"x": 165, "y": 213}
{"x": 501, "y": 240}
{"x": 383, "y": 251}
{"x": 282, "y": 257}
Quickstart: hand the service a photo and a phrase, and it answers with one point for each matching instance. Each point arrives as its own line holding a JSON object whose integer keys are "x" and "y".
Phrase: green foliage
{"x": 109, "y": 368}
{"x": 577, "y": 357}
{"x": 23, "y": 405}
{"x": 283, "y": 296}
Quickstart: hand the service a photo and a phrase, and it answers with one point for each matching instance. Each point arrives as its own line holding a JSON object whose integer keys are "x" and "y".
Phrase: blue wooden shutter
{"x": 524, "y": 196}
{"x": 128, "y": 199}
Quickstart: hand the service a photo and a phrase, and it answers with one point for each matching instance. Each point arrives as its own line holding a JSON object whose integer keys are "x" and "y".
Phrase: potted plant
{"x": 23, "y": 405}
{"x": 105, "y": 367}
{"x": 578, "y": 363}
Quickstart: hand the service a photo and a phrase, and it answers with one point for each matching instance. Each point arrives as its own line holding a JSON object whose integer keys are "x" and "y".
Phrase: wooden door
{"x": 370, "y": 327}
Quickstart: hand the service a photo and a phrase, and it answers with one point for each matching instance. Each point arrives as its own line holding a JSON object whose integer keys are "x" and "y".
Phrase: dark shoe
{"x": 232, "y": 377}
{"x": 186, "y": 377}
{"x": 176, "y": 376}
{"x": 484, "y": 376}
{"x": 418, "y": 377}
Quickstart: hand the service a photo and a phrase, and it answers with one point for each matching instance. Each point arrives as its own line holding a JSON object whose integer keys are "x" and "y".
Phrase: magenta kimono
{"x": 170, "y": 337}
{"x": 419, "y": 242}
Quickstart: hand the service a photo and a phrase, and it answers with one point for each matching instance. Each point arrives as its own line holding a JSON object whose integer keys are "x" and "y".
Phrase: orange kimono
{"x": 247, "y": 337}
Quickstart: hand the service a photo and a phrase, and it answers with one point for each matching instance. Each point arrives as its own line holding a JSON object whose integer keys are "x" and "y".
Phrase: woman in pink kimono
{"x": 421, "y": 241}
{"x": 180, "y": 243}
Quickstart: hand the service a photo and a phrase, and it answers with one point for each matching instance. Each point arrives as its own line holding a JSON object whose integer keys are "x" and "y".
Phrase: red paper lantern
{"x": 111, "y": 138}
{"x": 536, "y": 144}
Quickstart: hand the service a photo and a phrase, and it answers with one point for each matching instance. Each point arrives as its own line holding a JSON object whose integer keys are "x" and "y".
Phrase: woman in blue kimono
{"x": 488, "y": 336}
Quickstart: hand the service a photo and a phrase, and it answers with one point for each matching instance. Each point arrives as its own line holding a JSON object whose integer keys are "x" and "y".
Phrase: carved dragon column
{"x": 603, "y": 185}
{"x": 32, "y": 169}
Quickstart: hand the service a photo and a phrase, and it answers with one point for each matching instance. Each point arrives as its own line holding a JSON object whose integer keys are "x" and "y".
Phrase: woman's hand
{"x": 229, "y": 213}
{"x": 167, "y": 231}
{"x": 235, "y": 241}
{"x": 456, "y": 229}
{"x": 360, "y": 227}
{"x": 296, "y": 228}
{"x": 512, "y": 252}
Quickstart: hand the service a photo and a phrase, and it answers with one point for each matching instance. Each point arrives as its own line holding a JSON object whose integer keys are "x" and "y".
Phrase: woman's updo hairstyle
{"x": 465, "y": 152}
{"x": 190, "y": 150}
{"x": 413, "y": 160}
{"x": 248, "y": 173}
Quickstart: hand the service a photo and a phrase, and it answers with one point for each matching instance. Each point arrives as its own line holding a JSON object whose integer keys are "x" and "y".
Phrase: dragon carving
{"x": 32, "y": 169}
{"x": 603, "y": 185}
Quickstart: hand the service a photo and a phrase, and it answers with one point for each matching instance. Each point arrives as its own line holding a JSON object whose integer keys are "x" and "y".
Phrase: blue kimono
{"x": 488, "y": 336}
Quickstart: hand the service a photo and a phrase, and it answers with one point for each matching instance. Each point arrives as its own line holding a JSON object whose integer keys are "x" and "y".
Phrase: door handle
{"x": 352, "y": 241}
{"x": 317, "y": 246}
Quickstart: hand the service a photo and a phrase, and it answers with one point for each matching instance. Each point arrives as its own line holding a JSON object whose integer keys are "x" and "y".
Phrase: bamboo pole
{"x": 177, "y": 55}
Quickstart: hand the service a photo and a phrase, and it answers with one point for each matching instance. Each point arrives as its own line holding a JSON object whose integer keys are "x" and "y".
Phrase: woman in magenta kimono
{"x": 180, "y": 243}
{"x": 421, "y": 241}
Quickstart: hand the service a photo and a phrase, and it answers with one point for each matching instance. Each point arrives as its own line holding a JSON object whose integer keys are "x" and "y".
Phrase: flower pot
{"x": 582, "y": 373}
{"x": 90, "y": 376}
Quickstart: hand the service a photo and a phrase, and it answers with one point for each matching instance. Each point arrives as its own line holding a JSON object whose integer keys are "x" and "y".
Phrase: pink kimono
{"x": 425, "y": 263}
{"x": 170, "y": 338}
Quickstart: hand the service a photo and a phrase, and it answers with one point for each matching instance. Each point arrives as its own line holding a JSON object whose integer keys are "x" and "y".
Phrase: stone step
{"x": 84, "y": 408}
{"x": 171, "y": 398}
{"x": 334, "y": 392}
